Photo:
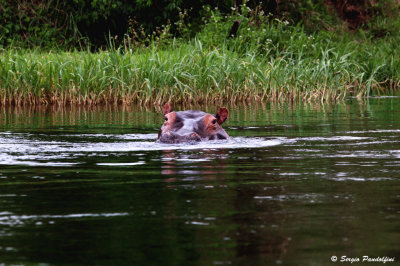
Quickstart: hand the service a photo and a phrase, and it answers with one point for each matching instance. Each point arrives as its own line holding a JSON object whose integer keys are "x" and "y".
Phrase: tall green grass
{"x": 267, "y": 60}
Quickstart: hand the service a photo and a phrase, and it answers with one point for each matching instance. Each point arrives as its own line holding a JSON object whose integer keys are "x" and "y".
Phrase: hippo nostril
{"x": 195, "y": 137}
{"x": 220, "y": 136}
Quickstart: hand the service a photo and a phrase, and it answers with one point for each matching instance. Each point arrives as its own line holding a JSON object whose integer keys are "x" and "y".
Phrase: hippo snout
{"x": 192, "y": 126}
{"x": 169, "y": 137}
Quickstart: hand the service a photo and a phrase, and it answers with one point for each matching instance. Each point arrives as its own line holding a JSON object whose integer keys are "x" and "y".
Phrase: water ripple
{"x": 34, "y": 150}
{"x": 11, "y": 219}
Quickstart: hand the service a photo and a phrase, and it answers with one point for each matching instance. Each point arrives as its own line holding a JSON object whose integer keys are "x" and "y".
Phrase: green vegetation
{"x": 269, "y": 59}
{"x": 75, "y": 23}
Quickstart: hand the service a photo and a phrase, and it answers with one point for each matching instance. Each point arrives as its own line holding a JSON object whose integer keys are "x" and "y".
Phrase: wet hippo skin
{"x": 192, "y": 126}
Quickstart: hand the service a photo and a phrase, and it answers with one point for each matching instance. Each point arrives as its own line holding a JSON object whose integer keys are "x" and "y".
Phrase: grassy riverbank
{"x": 267, "y": 60}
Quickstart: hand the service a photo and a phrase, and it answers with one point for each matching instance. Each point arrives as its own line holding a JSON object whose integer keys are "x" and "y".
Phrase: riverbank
{"x": 267, "y": 60}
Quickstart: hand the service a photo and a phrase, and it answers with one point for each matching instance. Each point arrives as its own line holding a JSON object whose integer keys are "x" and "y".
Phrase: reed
{"x": 271, "y": 60}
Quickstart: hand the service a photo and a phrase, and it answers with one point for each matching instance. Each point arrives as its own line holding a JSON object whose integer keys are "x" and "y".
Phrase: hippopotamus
{"x": 192, "y": 126}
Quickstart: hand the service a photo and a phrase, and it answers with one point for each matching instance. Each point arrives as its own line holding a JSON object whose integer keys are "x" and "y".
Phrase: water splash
{"x": 36, "y": 150}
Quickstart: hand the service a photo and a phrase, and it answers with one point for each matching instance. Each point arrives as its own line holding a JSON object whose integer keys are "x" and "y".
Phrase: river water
{"x": 295, "y": 185}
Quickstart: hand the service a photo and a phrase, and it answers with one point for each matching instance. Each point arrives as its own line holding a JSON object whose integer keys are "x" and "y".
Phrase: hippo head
{"x": 189, "y": 126}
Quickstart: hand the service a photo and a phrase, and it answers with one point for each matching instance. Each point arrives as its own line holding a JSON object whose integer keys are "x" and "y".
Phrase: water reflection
{"x": 296, "y": 184}
{"x": 205, "y": 164}
{"x": 255, "y": 217}
{"x": 261, "y": 222}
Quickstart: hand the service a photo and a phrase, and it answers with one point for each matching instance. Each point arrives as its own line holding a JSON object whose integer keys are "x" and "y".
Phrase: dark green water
{"x": 295, "y": 185}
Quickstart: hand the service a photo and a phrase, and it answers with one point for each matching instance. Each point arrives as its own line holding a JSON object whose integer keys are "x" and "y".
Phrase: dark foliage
{"x": 77, "y": 23}
{"x": 354, "y": 12}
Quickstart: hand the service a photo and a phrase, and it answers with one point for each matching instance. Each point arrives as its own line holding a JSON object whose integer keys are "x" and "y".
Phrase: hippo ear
{"x": 167, "y": 108}
{"x": 222, "y": 115}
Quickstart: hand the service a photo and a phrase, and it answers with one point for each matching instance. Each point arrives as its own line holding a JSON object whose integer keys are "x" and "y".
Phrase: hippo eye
{"x": 166, "y": 118}
{"x": 214, "y": 121}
